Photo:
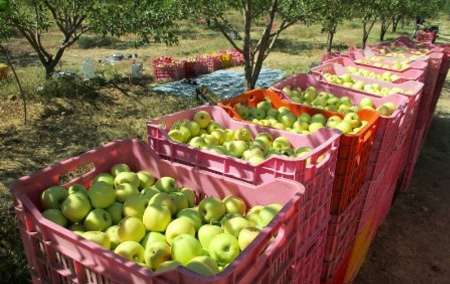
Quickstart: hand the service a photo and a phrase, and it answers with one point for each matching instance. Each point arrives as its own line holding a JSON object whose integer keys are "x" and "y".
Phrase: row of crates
{"x": 334, "y": 197}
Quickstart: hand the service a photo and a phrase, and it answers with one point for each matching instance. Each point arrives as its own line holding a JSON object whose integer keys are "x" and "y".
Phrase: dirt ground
{"x": 413, "y": 245}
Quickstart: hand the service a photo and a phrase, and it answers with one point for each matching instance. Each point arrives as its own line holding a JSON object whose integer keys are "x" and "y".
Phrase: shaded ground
{"x": 413, "y": 245}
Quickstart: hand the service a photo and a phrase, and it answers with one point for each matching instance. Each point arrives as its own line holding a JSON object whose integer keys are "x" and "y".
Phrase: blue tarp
{"x": 223, "y": 83}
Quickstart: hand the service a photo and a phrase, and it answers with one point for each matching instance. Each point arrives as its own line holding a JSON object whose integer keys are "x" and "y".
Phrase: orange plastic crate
{"x": 354, "y": 149}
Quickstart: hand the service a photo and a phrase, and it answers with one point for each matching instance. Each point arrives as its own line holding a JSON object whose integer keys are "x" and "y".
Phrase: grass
{"x": 66, "y": 118}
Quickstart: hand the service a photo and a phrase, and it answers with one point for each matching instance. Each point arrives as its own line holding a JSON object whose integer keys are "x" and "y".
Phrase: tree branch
{"x": 226, "y": 35}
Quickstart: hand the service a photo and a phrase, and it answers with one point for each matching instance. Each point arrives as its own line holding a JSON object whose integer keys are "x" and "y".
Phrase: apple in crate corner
{"x": 52, "y": 197}
{"x": 224, "y": 248}
{"x": 234, "y": 204}
{"x": 186, "y": 247}
{"x": 131, "y": 250}
{"x": 119, "y": 168}
{"x": 203, "y": 265}
{"x": 98, "y": 237}
{"x": 156, "y": 253}
{"x": 202, "y": 118}
{"x": 56, "y": 216}
{"x": 247, "y": 236}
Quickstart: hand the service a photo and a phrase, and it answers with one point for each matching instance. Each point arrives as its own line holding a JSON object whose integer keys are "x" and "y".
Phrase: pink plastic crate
{"x": 307, "y": 269}
{"x": 359, "y": 54}
{"x": 389, "y": 133}
{"x": 342, "y": 228}
{"x": 317, "y": 177}
{"x": 337, "y": 66}
{"x": 333, "y": 272}
{"x": 324, "y": 143}
{"x": 57, "y": 255}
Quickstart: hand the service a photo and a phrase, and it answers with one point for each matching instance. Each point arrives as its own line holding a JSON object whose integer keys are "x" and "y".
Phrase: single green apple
{"x": 99, "y": 238}
{"x": 146, "y": 179}
{"x": 134, "y": 206}
{"x": 131, "y": 229}
{"x": 52, "y": 197}
{"x": 234, "y": 225}
{"x": 75, "y": 207}
{"x": 155, "y": 254}
{"x": 97, "y": 220}
{"x": 164, "y": 200}
{"x": 234, "y": 204}
{"x": 113, "y": 235}
{"x": 119, "y": 168}
{"x": 186, "y": 247}
{"x": 211, "y": 209}
{"x": 224, "y": 248}
{"x": 192, "y": 215}
{"x": 156, "y": 218}
{"x": 203, "y": 265}
{"x": 131, "y": 250}
{"x": 101, "y": 195}
{"x": 56, "y": 216}
{"x": 166, "y": 184}
{"x": 178, "y": 227}
{"x": 247, "y": 236}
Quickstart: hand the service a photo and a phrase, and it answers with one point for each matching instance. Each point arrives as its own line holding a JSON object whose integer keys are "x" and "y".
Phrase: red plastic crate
{"x": 337, "y": 66}
{"x": 333, "y": 272}
{"x": 389, "y": 133}
{"x": 342, "y": 229}
{"x": 307, "y": 269}
{"x": 317, "y": 176}
{"x": 57, "y": 255}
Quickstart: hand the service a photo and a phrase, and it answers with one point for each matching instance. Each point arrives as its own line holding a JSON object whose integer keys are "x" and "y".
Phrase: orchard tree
{"x": 387, "y": 13}
{"x": 367, "y": 11}
{"x": 247, "y": 37}
{"x": 330, "y": 14}
{"x": 74, "y": 18}
{"x": 5, "y": 33}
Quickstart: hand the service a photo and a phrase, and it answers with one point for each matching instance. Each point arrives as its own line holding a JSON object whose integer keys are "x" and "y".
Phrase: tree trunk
{"x": 19, "y": 85}
{"x": 384, "y": 28}
{"x": 330, "y": 37}
{"x": 248, "y": 58}
{"x": 367, "y": 28}
{"x": 395, "y": 21}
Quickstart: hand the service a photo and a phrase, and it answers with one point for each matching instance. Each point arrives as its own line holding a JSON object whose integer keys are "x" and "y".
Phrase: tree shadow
{"x": 297, "y": 47}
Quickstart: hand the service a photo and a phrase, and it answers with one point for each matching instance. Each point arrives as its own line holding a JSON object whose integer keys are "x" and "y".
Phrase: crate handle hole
{"x": 78, "y": 172}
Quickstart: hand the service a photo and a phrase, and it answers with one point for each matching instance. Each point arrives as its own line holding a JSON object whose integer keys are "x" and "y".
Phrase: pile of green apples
{"x": 327, "y": 101}
{"x": 204, "y": 133}
{"x": 156, "y": 222}
{"x": 379, "y": 61}
{"x": 346, "y": 80}
{"x": 283, "y": 118}
{"x": 385, "y": 76}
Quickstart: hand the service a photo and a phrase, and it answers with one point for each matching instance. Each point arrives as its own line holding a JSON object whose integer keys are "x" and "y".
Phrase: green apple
{"x": 345, "y": 101}
{"x": 313, "y": 127}
{"x": 53, "y": 196}
{"x": 207, "y": 232}
{"x": 211, "y": 209}
{"x": 125, "y": 190}
{"x": 166, "y": 184}
{"x": 151, "y": 237}
{"x": 197, "y": 142}
{"x": 300, "y": 126}
{"x": 229, "y": 216}
{"x": 97, "y": 237}
{"x": 146, "y": 179}
{"x": 113, "y": 235}
{"x": 319, "y": 118}
{"x": 194, "y": 128}
{"x": 104, "y": 177}
{"x": 234, "y": 204}
{"x": 214, "y": 126}
{"x": 77, "y": 188}
{"x": 333, "y": 121}
{"x": 180, "y": 201}
{"x": 210, "y": 140}
{"x": 148, "y": 192}
{"x": 365, "y": 102}
{"x": 56, "y": 216}
{"x": 343, "y": 108}
{"x": 243, "y": 134}
{"x": 353, "y": 119}
{"x": 127, "y": 177}
{"x": 236, "y": 148}
{"x": 119, "y": 168}
{"x": 134, "y": 206}
{"x": 228, "y": 135}
{"x": 178, "y": 227}
{"x": 190, "y": 195}
{"x": 77, "y": 227}
{"x": 269, "y": 212}
{"x": 192, "y": 215}
{"x": 344, "y": 126}
{"x": 179, "y": 135}
{"x": 383, "y": 110}
{"x": 75, "y": 207}
{"x": 259, "y": 113}
{"x": 281, "y": 144}
{"x": 224, "y": 248}
{"x": 203, "y": 265}
{"x": 272, "y": 113}
{"x": 265, "y": 138}
{"x": 246, "y": 236}
{"x": 131, "y": 229}
{"x": 253, "y": 152}
{"x": 186, "y": 247}
{"x": 391, "y": 106}
{"x": 234, "y": 225}
{"x": 101, "y": 195}
{"x": 131, "y": 250}
{"x": 97, "y": 220}
{"x": 156, "y": 218}
{"x": 156, "y": 253}
{"x": 219, "y": 134}
{"x": 287, "y": 119}
{"x": 168, "y": 265}
{"x": 302, "y": 151}
{"x": 164, "y": 200}
{"x": 304, "y": 117}
{"x": 264, "y": 105}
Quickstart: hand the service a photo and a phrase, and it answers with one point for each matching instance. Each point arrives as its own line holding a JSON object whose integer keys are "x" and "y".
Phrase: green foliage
{"x": 86, "y": 42}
